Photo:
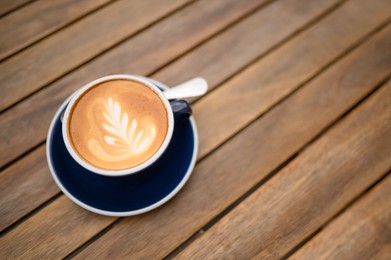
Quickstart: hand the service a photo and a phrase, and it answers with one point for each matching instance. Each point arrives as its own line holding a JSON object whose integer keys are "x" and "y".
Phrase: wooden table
{"x": 295, "y": 132}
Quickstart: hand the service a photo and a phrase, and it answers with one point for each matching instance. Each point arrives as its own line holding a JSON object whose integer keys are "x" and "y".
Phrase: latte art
{"x": 117, "y": 124}
{"x": 125, "y": 141}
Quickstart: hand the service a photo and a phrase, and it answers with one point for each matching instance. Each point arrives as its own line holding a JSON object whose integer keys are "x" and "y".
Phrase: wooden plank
{"x": 350, "y": 37}
{"x": 46, "y": 192}
{"x": 243, "y": 161}
{"x": 310, "y": 190}
{"x": 24, "y": 27}
{"x": 141, "y": 60}
{"x": 275, "y": 76}
{"x": 24, "y": 186}
{"x": 226, "y": 54}
{"x": 44, "y": 62}
{"x": 361, "y": 232}
{"x": 92, "y": 220}
{"x": 341, "y": 13}
{"x": 37, "y": 232}
{"x": 10, "y": 5}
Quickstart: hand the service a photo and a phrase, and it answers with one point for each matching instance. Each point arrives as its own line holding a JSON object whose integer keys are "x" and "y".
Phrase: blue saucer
{"x": 127, "y": 195}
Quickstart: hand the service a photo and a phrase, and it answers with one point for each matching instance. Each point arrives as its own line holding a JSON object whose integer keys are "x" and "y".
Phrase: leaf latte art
{"x": 125, "y": 140}
{"x": 117, "y": 124}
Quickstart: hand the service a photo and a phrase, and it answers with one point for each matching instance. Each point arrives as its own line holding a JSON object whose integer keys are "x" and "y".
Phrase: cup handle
{"x": 181, "y": 109}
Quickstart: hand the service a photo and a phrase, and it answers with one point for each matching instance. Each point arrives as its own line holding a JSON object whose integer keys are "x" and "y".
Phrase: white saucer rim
{"x": 125, "y": 213}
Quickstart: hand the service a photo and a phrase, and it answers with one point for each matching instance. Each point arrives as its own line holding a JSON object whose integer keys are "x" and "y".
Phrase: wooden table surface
{"x": 295, "y": 132}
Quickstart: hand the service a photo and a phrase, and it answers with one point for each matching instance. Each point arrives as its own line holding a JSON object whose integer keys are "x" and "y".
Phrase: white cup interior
{"x": 136, "y": 168}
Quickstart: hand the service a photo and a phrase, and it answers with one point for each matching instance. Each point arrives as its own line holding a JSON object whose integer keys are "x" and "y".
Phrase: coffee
{"x": 117, "y": 124}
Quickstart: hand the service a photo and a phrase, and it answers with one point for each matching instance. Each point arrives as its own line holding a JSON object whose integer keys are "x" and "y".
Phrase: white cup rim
{"x": 138, "y": 167}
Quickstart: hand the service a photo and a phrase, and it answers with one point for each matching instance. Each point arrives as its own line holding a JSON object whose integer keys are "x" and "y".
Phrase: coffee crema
{"x": 117, "y": 124}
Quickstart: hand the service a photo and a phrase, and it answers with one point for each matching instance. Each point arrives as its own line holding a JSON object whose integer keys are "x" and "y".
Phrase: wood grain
{"x": 45, "y": 192}
{"x": 226, "y": 54}
{"x": 184, "y": 218}
{"x": 304, "y": 195}
{"x": 44, "y": 62}
{"x": 36, "y": 112}
{"x": 246, "y": 159}
{"x": 10, "y": 5}
{"x": 49, "y": 232}
{"x": 267, "y": 81}
{"x": 24, "y": 186}
{"x": 35, "y": 21}
{"x": 170, "y": 246}
{"x": 361, "y": 232}
{"x": 15, "y": 213}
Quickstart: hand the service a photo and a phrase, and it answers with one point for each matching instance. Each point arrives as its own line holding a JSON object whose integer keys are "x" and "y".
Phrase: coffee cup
{"x": 120, "y": 124}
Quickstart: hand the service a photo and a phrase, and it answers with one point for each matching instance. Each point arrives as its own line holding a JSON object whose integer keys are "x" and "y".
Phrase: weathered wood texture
{"x": 24, "y": 186}
{"x": 282, "y": 72}
{"x": 243, "y": 161}
{"x": 73, "y": 205}
{"x": 228, "y": 53}
{"x": 7, "y": 6}
{"x": 362, "y": 232}
{"x": 311, "y": 189}
{"x": 275, "y": 76}
{"x": 46, "y": 189}
{"x": 49, "y": 234}
{"x": 36, "y": 112}
{"x": 20, "y": 74}
{"x": 20, "y": 29}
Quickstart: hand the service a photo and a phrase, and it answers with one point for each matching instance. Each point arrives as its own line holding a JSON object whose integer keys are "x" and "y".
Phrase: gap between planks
{"x": 275, "y": 172}
{"x": 60, "y": 28}
{"x": 339, "y": 213}
{"x": 317, "y": 136}
{"x": 285, "y": 40}
{"x": 278, "y": 45}
{"x": 195, "y": 47}
{"x": 364, "y": 108}
{"x": 284, "y": 98}
{"x": 5, "y": 166}
{"x": 61, "y": 75}
{"x": 104, "y": 51}
{"x": 266, "y": 47}
{"x": 216, "y": 219}
{"x": 365, "y": 97}
{"x": 319, "y": 72}
{"x": 30, "y": 214}
{"x": 11, "y": 10}
{"x": 38, "y": 208}
{"x": 368, "y": 221}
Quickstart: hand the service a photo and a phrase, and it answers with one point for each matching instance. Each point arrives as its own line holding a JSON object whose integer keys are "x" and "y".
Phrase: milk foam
{"x": 126, "y": 140}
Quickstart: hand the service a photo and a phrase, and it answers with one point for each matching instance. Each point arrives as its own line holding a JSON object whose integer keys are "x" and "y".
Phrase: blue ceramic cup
{"x": 176, "y": 111}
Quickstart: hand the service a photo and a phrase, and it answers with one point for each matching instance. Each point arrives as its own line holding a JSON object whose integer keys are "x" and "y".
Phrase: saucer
{"x": 127, "y": 195}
